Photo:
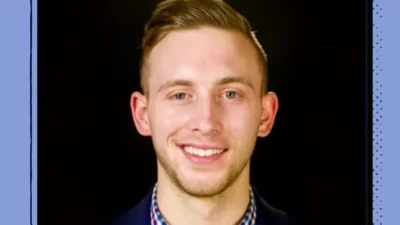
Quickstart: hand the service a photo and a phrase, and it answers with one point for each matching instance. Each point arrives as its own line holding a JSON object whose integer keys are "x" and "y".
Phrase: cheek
{"x": 241, "y": 119}
{"x": 166, "y": 120}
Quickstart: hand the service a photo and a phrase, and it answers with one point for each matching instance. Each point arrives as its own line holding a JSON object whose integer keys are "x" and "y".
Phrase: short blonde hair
{"x": 172, "y": 15}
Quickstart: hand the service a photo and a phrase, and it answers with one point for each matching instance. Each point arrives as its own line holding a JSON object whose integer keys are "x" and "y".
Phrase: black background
{"x": 315, "y": 163}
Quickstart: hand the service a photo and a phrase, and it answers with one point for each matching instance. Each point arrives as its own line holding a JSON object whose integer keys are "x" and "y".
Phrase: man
{"x": 204, "y": 103}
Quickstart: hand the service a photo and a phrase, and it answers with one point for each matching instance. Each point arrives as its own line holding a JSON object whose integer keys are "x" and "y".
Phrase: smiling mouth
{"x": 202, "y": 152}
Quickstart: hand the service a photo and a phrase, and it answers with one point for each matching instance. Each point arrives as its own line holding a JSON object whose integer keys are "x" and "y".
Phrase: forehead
{"x": 202, "y": 54}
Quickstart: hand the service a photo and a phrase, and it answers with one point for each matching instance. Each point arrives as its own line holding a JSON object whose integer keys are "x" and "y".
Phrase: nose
{"x": 206, "y": 117}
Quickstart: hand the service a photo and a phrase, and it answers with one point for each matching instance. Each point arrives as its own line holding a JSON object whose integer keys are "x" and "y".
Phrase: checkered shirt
{"x": 249, "y": 217}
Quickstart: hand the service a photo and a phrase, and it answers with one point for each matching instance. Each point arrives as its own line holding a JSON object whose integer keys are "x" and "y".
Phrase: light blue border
{"x": 34, "y": 113}
{"x": 387, "y": 17}
{"x": 15, "y": 112}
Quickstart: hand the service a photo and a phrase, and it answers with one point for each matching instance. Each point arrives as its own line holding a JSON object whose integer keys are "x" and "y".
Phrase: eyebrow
{"x": 173, "y": 83}
{"x": 238, "y": 79}
{"x": 225, "y": 80}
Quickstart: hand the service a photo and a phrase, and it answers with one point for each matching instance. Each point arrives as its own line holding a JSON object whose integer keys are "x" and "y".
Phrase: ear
{"x": 139, "y": 113}
{"x": 268, "y": 114}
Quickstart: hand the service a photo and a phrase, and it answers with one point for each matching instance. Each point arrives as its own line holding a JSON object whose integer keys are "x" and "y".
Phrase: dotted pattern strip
{"x": 377, "y": 129}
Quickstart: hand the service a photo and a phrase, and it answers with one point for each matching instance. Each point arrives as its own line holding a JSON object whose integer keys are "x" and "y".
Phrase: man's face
{"x": 204, "y": 110}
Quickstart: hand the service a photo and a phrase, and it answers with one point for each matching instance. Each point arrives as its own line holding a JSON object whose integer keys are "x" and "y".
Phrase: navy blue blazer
{"x": 140, "y": 214}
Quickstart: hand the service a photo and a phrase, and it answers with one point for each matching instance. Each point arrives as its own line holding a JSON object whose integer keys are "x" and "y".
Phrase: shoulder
{"x": 138, "y": 215}
{"x": 268, "y": 215}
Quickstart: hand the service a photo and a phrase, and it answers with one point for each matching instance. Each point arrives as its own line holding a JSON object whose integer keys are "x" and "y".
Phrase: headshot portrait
{"x": 203, "y": 112}
{"x": 204, "y": 103}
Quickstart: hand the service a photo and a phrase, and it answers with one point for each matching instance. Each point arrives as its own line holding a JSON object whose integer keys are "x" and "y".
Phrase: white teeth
{"x": 202, "y": 152}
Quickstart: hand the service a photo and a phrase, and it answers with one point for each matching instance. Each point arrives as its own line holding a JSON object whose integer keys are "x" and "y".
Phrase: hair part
{"x": 173, "y": 15}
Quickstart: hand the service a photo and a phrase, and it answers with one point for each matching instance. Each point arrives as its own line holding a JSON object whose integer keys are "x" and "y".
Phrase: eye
{"x": 179, "y": 96}
{"x": 231, "y": 94}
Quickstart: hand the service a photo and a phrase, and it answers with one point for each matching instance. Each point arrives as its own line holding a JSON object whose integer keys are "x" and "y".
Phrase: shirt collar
{"x": 249, "y": 217}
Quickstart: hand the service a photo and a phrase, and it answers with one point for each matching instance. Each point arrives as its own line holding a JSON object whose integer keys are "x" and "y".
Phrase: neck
{"x": 179, "y": 208}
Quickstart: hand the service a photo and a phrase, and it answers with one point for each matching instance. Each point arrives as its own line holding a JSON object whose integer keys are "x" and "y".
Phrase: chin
{"x": 203, "y": 190}
{"x": 204, "y": 186}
